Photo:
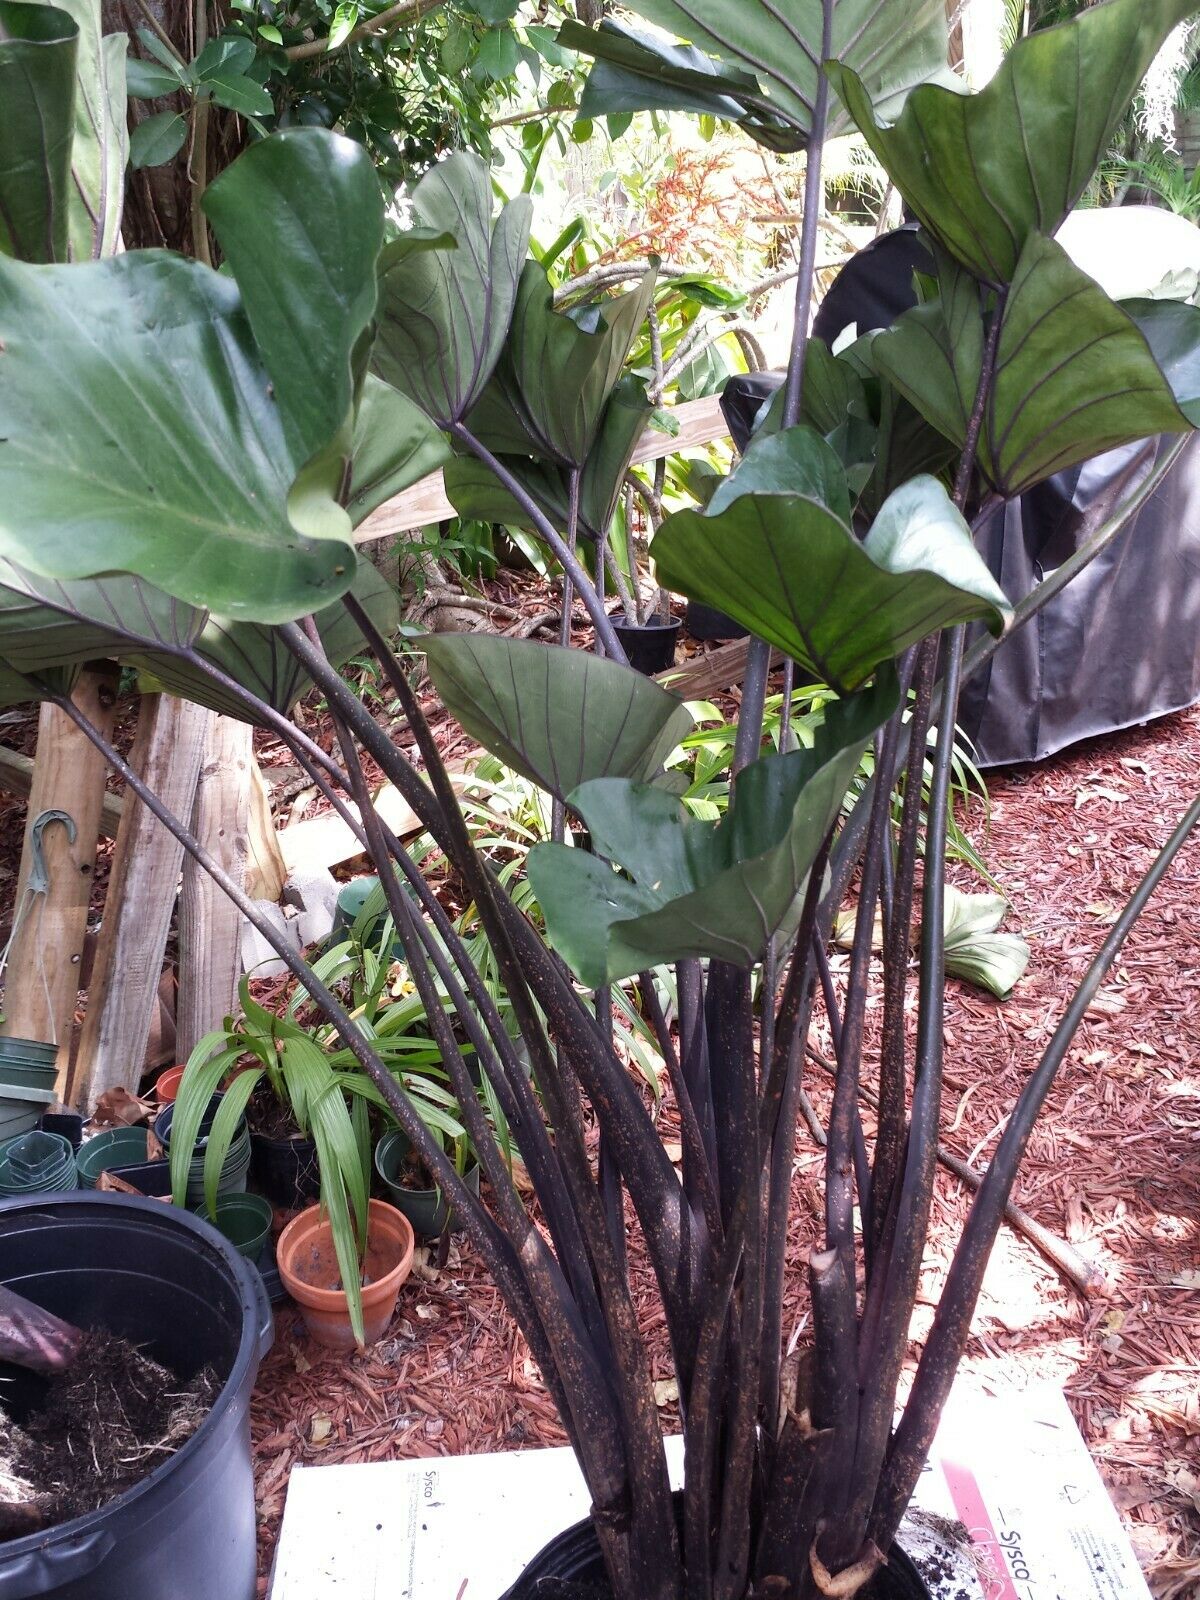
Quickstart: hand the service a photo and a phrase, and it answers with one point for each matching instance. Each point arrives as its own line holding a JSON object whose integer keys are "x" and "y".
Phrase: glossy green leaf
{"x": 299, "y": 217}
{"x": 796, "y": 462}
{"x": 39, "y": 47}
{"x": 984, "y": 171}
{"x": 793, "y": 573}
{"x": 1172, "y": 330}
{"x": 475, "y": 492}
{"x": 146, "y": 80}
{"x": 139, "y": 433}
{"x": 691, "y": 888}
{"x": 157, "y": 139}
{"x": 100, "y": 147}
{"x": 1074, "y": 375}
{"x": 447, "y": 290}
{"x": 758, "y": 63}
{"x": 255, "y": 657}
{"x": 559, "y": 370}
{"x": 559, "y": 717}
{"x": 236, "y": 92}
{"x": 47, "y": 623}
{"x": 395, "y": 446}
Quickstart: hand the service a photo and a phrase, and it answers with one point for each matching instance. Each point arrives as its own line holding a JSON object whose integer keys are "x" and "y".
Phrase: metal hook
{"x": 38, "y": 881}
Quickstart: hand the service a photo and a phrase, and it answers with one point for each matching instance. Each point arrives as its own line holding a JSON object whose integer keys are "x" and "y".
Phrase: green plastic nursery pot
{"x": 116, "y": 1147}
{"x": 37, "y": 1163}
{"x": 245, "y": 1220}
{"x": 235, "y": 1167}
{"x": 426, "y": 1209}
{"x": 27, "y": 1074}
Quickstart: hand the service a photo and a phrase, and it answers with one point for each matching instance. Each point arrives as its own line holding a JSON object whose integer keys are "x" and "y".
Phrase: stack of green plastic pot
{"x": 234, "y": 1168}
{"x": 27, "y": 1073}
{"x": 37, "y": 1163}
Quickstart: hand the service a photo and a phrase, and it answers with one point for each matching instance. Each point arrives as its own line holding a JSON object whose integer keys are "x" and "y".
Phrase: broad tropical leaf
{"x": 39, "y": 47}
{"x": 447, "y": 290}
{"x": 47, "y": 623}
{"x": 100, "y": 148}
{"x": 796, "y": 462}
{"x": 138, "y": 433}
{"x": 693, "y": 888}
{"x": 299, "y": 217}
{"x": 559, "y": 717}
{"x": 975, "y": 950}
{"x": 475, "y": 492}
{"x": 1172, "y": 330}
{"x": 984, "y": 171}
{"x": 254, "y": 656}
{"x": 1074, "y": 375}
{"x": 395, "y": 446}
{"x": 765, "y": 59}
{"x": 791, "y": 571}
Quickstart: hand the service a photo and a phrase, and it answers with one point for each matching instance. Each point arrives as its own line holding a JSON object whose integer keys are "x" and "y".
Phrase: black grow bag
{"x": 573, "y": 1557}
{"x": 162, "y": 1279}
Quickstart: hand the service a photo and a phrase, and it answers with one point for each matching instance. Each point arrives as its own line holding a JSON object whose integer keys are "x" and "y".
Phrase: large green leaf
{"x": 395, "y": 446}
{"x": 254, "y": 656}
{"x": 447, "y": 290}
{"x": 791, "y": 571}
{"x": 139, "y": 434}
{"x": 300, "y": 219}
{"x": 1172, "y": 330}
{"x": 475, "y": 492}
{"x": 1074, "y": 375}
{"x": 39, "y": 46}
{"x": 984, "y": 171}
{"x": 692, "y": 888}
{"x": 763, "y": 61}
{"x": 100, "y": 148}
{"x": 560, "y": 370}
{"x": 560, "y": 717}
{"x": 48, "y": 623}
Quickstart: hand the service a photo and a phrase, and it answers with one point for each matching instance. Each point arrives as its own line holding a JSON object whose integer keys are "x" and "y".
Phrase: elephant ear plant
{"x": 177, "y": 445}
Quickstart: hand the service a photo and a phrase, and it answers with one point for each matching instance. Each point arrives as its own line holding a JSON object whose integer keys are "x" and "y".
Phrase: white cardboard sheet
{"x": 1010, "y": 1468}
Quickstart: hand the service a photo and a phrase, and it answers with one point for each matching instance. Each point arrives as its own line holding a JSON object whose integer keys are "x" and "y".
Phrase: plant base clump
{"x": 102, "y": 1426}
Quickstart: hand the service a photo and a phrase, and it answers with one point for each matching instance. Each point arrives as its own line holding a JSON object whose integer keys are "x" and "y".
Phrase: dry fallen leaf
{"x": 427, "y": 1313}
{"x": 320, "y": 1429}
{"x": 666, "y": 1392}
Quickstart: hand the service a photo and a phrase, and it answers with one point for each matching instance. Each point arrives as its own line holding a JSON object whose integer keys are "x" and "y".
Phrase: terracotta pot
{"x": 166, "y": 1085}
{"x": 309, "y": 1269}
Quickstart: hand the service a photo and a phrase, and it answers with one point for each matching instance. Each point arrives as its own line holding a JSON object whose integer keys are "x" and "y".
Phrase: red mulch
{"x": 1114, "y": 1167}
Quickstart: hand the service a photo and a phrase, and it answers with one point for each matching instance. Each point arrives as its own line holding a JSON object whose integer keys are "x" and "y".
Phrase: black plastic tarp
{"x": 1121, "y": 643}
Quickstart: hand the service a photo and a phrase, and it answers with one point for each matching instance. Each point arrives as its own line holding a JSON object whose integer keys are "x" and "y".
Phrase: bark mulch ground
{"x": 1114, "y": 1167}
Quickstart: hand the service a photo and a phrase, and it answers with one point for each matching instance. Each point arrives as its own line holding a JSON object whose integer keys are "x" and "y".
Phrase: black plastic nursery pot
{"x": 156, "y": 1276}
{"x": 286, "y": 1170}
{"x": 573, "y": 1558}
{"x": 651, "y": 647}
{"x": 706, "y": 622}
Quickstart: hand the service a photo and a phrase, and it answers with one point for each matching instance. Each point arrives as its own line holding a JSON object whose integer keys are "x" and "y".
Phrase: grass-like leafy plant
{"x": 181, "y": 458}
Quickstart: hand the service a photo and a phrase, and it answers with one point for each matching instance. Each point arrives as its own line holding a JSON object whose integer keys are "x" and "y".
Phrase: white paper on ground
{"x": 1010, "y": 1466}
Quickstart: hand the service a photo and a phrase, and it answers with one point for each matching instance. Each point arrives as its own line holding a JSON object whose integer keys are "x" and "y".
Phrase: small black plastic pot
{"x": 650, "y": 647}
{"x": 68, "y": 1123}
{"x": 573, "y": 1558}
{"x": 286, "y": 1170}
{"x": 706, "y": 622}
{"x": 151, "y": 1178}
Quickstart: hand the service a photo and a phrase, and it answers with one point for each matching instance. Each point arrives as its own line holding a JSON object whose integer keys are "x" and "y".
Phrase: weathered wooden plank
{"x": 209, "y": 922}
{"x": 43, "y": 977}
{"x": 16, "y": 777}
{"x": 141, "y": 897}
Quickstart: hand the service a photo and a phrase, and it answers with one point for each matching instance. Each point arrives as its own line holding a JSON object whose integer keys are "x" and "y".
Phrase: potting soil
{"x": 103, "y": 1425}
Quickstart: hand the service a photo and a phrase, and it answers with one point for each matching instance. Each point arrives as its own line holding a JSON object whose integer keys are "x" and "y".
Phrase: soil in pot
{"x": 282, "y": 1162}
{"x": 99, "y": 1428}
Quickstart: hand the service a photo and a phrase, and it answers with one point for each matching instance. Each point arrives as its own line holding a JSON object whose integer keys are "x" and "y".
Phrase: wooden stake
{"x": 209, "y": 922}
{"x": 42, "y": 981}
{"x": 170, "y": 741}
